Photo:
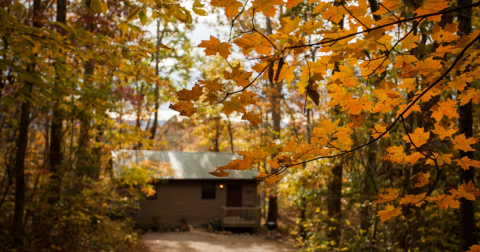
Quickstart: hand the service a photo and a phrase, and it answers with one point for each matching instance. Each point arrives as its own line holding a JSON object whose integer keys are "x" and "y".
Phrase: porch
{"x": 240, "y": 216}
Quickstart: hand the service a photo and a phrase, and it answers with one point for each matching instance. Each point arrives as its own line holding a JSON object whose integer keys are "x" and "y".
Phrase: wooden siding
{"x": 183, "y": 198}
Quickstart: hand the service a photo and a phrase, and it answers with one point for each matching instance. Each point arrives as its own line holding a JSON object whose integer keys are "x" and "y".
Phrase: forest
{"x": 359, "y": 117}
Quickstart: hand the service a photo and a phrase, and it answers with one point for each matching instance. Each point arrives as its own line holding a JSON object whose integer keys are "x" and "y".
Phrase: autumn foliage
{"x": 394, "y": 64}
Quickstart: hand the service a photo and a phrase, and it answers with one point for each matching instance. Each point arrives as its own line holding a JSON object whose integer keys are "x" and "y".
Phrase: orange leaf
{"x": 421, "y": 178}
{"x": 389, "y": 196}
{"x": 445, "y": 201}
{"x": 460, "y": 142}
{"x": 395, "y": 154}
{"x": 241, "y": 77}
{"x": 445, "y": 108}
{"x": 471, "y": 94}
{"x": 184, "y": 107}
{"x": 213, "y": 46}
{"x": 221, "y": 174}
{"x": 190, "y": 95}
{"x": 266, "y": 6}
{"x": 419, "y": 137}
{"x": 444, "y": 131}
{"x": 293, "y": 3}
{"x": 252, "y": 118}
{"x": 441, "y": 159}
{"x": 465, "y": 163}
{"x": 231, "y": 6}
{"x": 417, "y": 200}
{"x": 474, "y": 248}
{"x": 389, "y": 212}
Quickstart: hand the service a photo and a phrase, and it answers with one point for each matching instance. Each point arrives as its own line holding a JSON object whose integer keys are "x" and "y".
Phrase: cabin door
{"x": 234, "y": 195}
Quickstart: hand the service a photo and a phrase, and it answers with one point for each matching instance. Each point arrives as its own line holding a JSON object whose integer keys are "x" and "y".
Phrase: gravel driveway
{"x": 203, "y": 242}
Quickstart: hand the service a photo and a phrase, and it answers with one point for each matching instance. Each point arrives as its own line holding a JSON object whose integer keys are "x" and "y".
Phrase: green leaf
{"x": 134, "y": 28}
{"x": 196, "y": 8}
{"x": 95, "y": 5}
{"x": 143, "y": 17}
{"x": 200, "y": 12}
{"x": 133, "y": 14}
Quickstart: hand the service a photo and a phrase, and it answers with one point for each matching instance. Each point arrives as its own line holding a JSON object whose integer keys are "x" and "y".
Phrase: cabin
{"x": 191, "y": 194}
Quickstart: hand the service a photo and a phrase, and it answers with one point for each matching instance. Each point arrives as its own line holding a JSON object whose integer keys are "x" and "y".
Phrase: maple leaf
{"x": 421, "y": 178}
{"x": 234, "y": 104}
{"x": 471, "y": 94}
{"x": 389, "y": 196}
{"x": 395, "y": 154}
{"x": 389, "y": 212}
{"x": 289, "y": 25}
{"x": 190, "y": 95}
{"x": 252, "y": 118}
{"x": 211, "y": 98}
{"x": 417, "y": 200}
{"x": 184, "y": 107}
{"x": 446, "y": 34}
{"x": 379, "y": 129}
{"x": 432, "y": 6}
{"x": 419, "y": 137}
{"x": 445, "y": 201}
{"x": 460, "y": 82}
{"x": 255, "y": 41}
{"x": 212, "y": 85}
{"x": 241, "y": 77}
{"x": 445, "y": 108}
{"x": 355, "y": 106}
{"x": 465, "y": 163}
{"x": 460, "y": 142}
{"x": 266, "y": 6}
{"x": 293, "y": 3}
{"x": 334, "y": 14}
{"x": 269, "y": 179}
{"x": 443, "y": 130}
{"x": 462, "y": 193}
{"x": 413, "y": 158}
{"x": 474, "y": 248}
{"x": 247, "y": 97}
{"x": 231, "y": 6}
{"x": 440, "y": 158}
{"x": 402, "y": 109}
{"x": 358, "y": 120}
{"x": 213, "y": 46}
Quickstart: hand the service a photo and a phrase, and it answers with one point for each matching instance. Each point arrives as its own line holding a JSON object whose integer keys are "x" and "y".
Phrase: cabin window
{"x": 208, "y": 191}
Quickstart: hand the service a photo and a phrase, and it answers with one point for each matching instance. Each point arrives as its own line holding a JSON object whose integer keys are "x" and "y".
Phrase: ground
{"x": 202, "y": 242}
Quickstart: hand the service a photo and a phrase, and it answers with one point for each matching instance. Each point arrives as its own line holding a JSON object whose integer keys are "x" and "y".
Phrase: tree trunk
{"x": 275, "y": 101}
{"x": 334, "y": 203}
{"x": 153, "y": 130}
{"x": 22, "y": 142}
{"x": 468, "y": 232}
{"x": 367, "y": 189}
{"x": 56, "y": 156}
{"x": 230, "y": 135}
{"x": 84, "y": 164}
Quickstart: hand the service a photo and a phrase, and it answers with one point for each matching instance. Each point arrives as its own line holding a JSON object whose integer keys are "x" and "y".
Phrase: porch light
{"x": 221, "y": 186}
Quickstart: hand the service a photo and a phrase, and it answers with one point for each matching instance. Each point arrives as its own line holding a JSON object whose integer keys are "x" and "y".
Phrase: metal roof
{"x": 185, "y": 165}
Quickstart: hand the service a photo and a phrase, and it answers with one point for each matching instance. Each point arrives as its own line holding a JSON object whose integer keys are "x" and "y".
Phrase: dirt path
{"x": 208, "y": 242}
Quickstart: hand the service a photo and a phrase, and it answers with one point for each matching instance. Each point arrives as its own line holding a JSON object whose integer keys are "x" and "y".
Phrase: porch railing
{"x": 240, "y": 216}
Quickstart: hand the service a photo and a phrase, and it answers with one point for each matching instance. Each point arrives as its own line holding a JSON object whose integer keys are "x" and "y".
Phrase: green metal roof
{"x": 185, "y": 165}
